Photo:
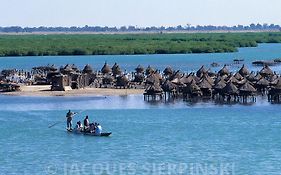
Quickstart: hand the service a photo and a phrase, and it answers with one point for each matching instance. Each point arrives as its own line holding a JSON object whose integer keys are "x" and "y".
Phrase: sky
{"x": 140, "y": 13}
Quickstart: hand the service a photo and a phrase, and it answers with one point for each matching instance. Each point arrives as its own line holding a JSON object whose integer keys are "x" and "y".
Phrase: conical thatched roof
{"x": 106, "y": 69}
{"x": 273, "y": 78}
{"x": 238, "y": 76}
{"x": 168, "y": 71}
{"x": 244, "y": 71}
{"x": 266, "y": 71}
{"x": 122, "y": 81}
{"x": 233, "y": 79}
{"x": 67, "y": 69}
{"x": 258, "y": 77}
{"x": 220, "y": 85}
{"x": 224, "y": 71}
{"x": 152, "y": 79}
{"x": 277, "y": 84}
{"x": 176, "y": 74}
{"x": 201, "y": 71}
{"x": 230, "y": 88}
{"x": 139, "y": 69}
{"x": 247, "y": 87}
{"x": 88, "y": 69}
{"x": 149, "y": 70}
{"x": 208, "y": 78}
{"x": 251, "y": 77}
{"x": 193, "y": 87}
{"x": 204, "y": 84}
{"x": 154, "y": 88}
{"x": 74, "y": 67}
{"x": 168, "y": 86}
{"x": 186, "y": 79}
{"x": 116, "y": 70}
{"x": 263, "y": 82}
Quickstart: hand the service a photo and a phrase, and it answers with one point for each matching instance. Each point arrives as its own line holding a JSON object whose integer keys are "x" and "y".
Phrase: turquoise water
{"x": 148, "y": 138}
{"x": 185, "y": 62}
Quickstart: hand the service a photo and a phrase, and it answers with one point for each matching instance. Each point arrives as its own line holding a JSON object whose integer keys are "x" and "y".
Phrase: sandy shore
{"x": 45, "y": 91}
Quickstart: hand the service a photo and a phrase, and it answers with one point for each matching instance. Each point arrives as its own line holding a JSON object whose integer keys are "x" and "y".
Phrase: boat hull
{"x": 104, "y": 134}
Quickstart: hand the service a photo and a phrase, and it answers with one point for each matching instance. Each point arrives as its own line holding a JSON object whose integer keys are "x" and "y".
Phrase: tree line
{"x": 188, "y": 27}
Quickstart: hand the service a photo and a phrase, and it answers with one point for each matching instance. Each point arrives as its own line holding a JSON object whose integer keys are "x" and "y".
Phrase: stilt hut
{"x": 274, "y": 93}
{"x": 247, "y": 90}
{"x": 169, "y": 89}
{"x": 230, "y": 91}
{"x": 153, "y": 92}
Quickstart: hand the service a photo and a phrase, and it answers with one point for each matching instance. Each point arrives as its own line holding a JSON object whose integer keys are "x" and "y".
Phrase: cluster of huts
{"x": 241, "y": 86}
{"x": 223, "y": 85}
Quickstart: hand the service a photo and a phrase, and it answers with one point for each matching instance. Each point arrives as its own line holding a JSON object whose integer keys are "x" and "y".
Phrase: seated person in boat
{"x": 98, "y": 130}
{"x": 79, "y": 126}
{"x": 92, "y": 128}
{"x": 86, "y": 123}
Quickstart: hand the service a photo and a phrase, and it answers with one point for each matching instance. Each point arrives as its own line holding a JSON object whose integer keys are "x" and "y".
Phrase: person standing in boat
{"x": 86, "y": 123}
{"x": 69, "y": 116}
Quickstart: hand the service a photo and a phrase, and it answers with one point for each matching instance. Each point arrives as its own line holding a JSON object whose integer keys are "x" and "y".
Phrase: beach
{"x": 44, "y": 90}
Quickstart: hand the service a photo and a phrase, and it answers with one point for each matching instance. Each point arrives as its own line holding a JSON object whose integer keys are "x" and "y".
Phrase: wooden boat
{"x": 104, "y": 134}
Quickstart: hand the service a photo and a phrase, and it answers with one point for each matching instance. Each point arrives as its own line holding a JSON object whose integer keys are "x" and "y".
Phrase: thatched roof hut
{"x": 116, "y": 70}
{"x": 238, "y": 76}
{"x": 224, "y": 71}
{"x": 262, "y": 83}
{"x": 251, "y": 77}
{"x": 154, "y": 89}
{"x": 106, "y": 69}
{"x": 258, "y": 77}
{"x": 67, "y": 69}
{"x": 230, "y": 89}
{"x": 168, "y": 71}
{"x": 139, "y": 69}
{"x": 201, "y": 71}
{"x": 88, "y": 69}
{"x": 149, "y": 70}
{"x": 244, "y": 71}
{"x": 152, "y": 79}
{"x": 219, "y": 85}
{"x": 204, "y": 84}
{"x": 266, "y": 71}
{"x": 122, "y": 81}
{"x": 192, "y": 88}
{"x": 247, "y": 88}
{"x": 168, "y": 86}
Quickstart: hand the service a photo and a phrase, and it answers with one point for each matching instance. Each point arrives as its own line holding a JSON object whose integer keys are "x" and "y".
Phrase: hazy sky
{"x": 138, "y": 12}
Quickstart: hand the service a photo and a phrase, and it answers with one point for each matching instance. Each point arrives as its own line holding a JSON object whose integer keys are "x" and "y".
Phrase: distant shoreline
{"x": 44, "y": 90}
{"x": 139, "y": 32}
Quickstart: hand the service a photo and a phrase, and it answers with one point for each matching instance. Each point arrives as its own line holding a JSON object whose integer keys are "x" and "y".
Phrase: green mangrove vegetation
{"x": 128, "y": 44}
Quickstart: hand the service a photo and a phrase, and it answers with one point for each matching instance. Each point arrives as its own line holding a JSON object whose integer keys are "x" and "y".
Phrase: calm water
{"x": 158, "y": 138}
{"x": 184, "y": 62}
